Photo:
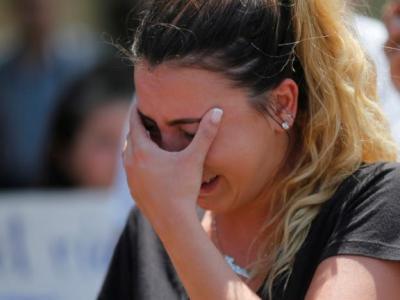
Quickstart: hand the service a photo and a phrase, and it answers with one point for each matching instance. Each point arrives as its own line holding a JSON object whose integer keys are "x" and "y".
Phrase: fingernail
{"x": 216, "y": 115}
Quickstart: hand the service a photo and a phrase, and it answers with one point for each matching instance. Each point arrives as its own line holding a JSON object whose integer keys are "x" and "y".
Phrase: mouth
{"x": 208, "y": 185}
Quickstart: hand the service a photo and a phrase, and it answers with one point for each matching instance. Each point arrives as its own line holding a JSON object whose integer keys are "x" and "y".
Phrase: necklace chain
{"x": 229, "y": 259}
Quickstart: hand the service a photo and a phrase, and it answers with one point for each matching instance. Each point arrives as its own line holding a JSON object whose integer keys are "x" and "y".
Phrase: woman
{"x": 87, "y": 126}
{"x": 263, "y": 114}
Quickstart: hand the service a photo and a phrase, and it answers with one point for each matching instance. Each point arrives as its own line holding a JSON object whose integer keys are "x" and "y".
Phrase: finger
{"x": 205, "y": 135}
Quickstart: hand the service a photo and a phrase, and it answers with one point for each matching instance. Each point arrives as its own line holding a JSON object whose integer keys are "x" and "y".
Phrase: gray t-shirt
{"x": 362, "y": 218}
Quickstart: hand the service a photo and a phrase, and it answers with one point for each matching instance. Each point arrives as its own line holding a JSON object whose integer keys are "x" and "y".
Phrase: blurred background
{"x": 65, "y": 91}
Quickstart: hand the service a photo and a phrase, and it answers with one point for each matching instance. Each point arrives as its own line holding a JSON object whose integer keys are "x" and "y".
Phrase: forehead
{"x": 172, "y": 90}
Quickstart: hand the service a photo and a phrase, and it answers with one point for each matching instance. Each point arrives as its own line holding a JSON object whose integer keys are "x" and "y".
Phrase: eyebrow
{"x": 183, "y": 121}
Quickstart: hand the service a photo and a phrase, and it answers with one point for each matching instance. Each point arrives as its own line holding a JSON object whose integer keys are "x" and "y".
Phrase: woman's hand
{"x": 165, "y": 185}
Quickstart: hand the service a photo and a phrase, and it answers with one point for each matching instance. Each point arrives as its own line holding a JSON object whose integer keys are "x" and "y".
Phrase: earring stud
{"x": 285, "y": 125}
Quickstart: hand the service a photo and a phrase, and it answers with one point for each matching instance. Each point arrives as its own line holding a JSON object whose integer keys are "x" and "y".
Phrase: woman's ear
{"x": 284, "y": 104}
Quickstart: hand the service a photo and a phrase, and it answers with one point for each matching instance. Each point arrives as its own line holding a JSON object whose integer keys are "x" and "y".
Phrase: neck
{"x": 234, "y": 236}
{"x": 243, "y": 224}
{"x": 235, "y": 233}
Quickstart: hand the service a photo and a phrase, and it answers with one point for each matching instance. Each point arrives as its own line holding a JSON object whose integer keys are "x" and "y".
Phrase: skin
{"x": 243, "y": 147}
{"x": 355, "y": 277}
{"x": 164, "y": 95}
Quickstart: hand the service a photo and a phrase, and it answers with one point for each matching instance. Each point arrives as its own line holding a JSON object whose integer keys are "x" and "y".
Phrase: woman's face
{"x": 93, "y": 158}
{"x": 248, "y": 149}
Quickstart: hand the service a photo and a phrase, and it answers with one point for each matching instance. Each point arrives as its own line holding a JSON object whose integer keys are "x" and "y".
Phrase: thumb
{"x": 205, "y": 134}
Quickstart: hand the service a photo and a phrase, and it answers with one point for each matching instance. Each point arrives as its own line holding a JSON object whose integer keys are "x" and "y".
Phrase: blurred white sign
{"x": 55, "y": 246}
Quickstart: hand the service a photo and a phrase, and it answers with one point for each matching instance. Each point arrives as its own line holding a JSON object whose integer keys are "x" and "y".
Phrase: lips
{"x": 209, "y": 184}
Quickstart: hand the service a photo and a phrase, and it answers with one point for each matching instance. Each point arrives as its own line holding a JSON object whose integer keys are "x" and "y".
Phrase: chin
{"x": 214, "y": 204}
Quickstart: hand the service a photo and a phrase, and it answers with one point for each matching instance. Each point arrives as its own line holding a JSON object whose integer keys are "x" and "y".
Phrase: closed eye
{"x": 154, "y": 131}
{"x": 188, "y": 136}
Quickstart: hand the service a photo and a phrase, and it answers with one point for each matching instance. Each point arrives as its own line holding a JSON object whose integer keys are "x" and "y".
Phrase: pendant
{"x": 237, "y": 269}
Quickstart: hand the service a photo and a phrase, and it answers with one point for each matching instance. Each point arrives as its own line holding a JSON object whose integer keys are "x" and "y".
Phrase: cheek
{"x": 234, "y": 144}
{"x": 247, "y": 155}
{"x": 92, "y": 164}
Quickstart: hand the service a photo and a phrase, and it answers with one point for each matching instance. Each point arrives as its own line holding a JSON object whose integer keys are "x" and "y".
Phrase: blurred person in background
{"x": 373, "y": 36}
{"x": 86, "y": 132}
{"x": 32, "y": 75}
{"x": 391, "y": 17}
{"x": 121, "y": 21}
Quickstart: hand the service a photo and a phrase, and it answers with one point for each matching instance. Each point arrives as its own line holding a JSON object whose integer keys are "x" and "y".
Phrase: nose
{"x": 172, "y": 142}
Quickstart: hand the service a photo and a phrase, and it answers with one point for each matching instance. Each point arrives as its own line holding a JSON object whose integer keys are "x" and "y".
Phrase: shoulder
{"x": 371, "y": 185}
{"x": 379, "y": 170}
{"x": 378, "y": 181}
{"x": 361, "y": 258}
{"x": 140, "y": 267}
{"x": 363, "y": 216}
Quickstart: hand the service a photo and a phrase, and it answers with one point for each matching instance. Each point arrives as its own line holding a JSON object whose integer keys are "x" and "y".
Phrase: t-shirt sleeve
{"x": 368, "y": 220}
{"x": 118, "y": 281}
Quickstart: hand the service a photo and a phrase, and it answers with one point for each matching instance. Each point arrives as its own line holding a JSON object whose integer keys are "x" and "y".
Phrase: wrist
{"x": 177, "y": 225}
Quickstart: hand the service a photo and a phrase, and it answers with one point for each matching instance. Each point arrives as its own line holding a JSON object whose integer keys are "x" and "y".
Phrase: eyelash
{"x": 187, "y": 135}
{"x": 153, "y": 130}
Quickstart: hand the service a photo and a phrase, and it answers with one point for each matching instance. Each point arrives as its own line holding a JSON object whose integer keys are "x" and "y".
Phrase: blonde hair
{"x": 342, "y": 127}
